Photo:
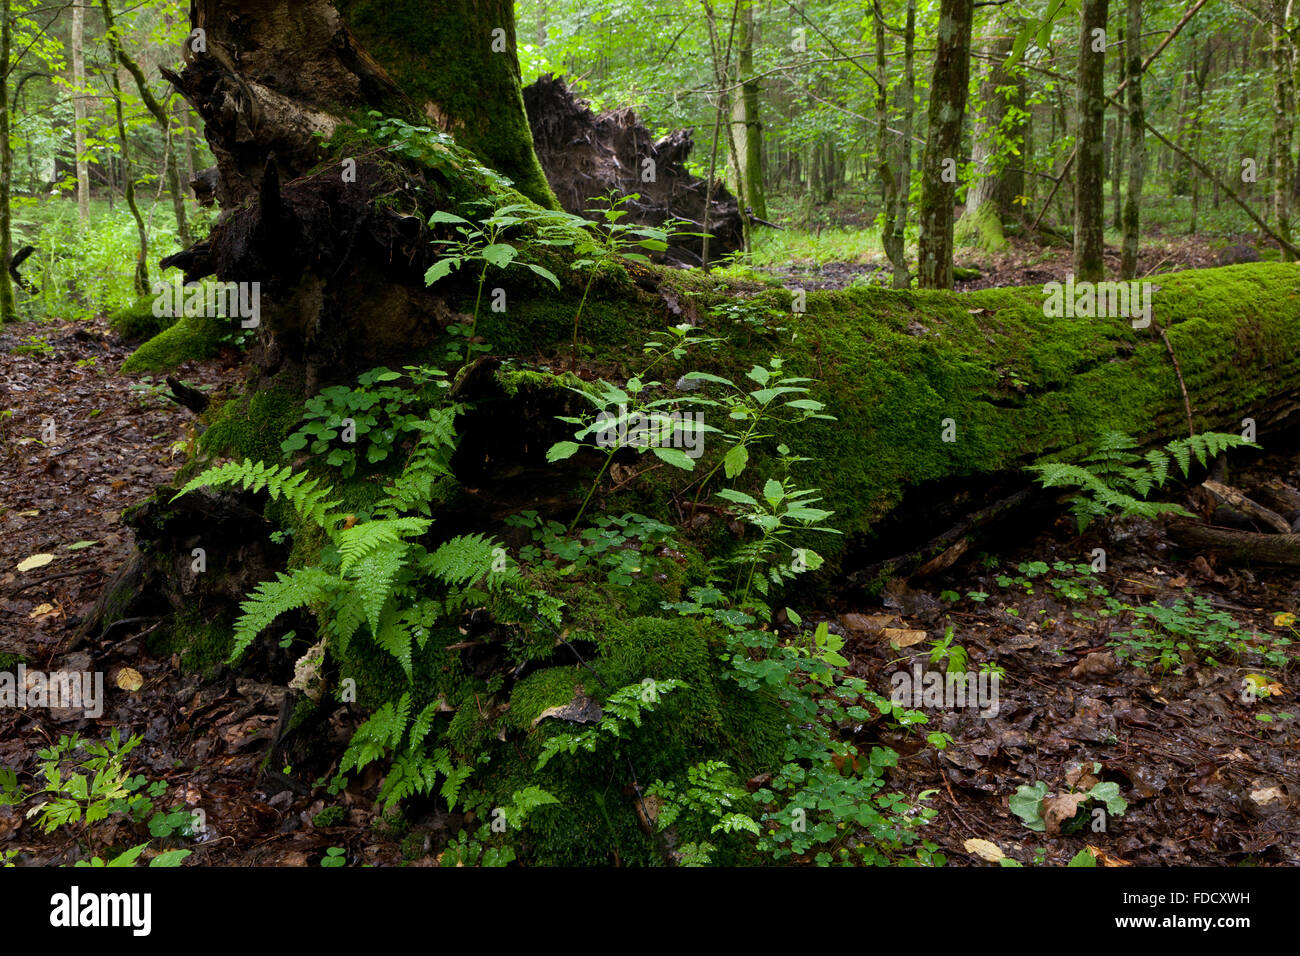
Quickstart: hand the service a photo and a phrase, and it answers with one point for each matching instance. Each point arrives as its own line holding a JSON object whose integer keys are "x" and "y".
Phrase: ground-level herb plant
{"x": 84, "y": 783}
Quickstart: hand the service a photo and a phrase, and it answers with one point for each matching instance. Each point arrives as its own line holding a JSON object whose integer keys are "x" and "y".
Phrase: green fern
{"x": 299, "y": 588}
{"x": 378, "y": 735}
{"x": 1115, "y": 480}
{"x": 363, "y": 539}
{"x": 309, "y": 498}
{"x": 428, "y": 463}
{"x": 463, "y": 560}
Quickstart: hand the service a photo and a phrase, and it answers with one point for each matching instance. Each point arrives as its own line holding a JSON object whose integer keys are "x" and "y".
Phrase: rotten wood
{"x": 586, "y": 156}
{"x": 1232, "y": 498}
{"x": 947, "y": 548}
{"x": 1238, "y": 546}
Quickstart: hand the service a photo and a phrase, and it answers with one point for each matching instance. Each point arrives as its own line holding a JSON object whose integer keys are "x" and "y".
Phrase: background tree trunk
{"x": 1090, "y": 105}
{"x": 746, "y": 122}
{"x": 947, "y": 109}
{"x": 981, "y": 220}
{"x": 1283, "y": 123}
{"x": 1137, "y": 159}
{"x": 77, "y": 52}
{"x": 8, "y": 309}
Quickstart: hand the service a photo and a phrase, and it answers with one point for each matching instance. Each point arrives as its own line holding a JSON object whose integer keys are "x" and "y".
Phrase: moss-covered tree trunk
{"x": 456, "y": 60}
{"x": 268, "y": 75}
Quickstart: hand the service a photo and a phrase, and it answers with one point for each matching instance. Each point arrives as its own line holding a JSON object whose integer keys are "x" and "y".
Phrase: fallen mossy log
{"x": 1238, "y": 547}
{"x": 940, "y": 399}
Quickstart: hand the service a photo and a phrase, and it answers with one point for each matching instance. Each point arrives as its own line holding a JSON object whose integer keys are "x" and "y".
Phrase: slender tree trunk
{"x": 748, "y": 126}
{"x": 1283, "y": 123}
{"x": 159, "y": 112}
{"x": 1090, "y": 105}
{"x": 141, "y": 274}
{"x": 947, "y": 109}
{"x": 895, "y": 182}
{"x": 77, "y": 51}
{"x": 1117, "y": 142}
{"x": 8, "y": 309}
{"x": 907, "y": 94}
{"x": 1137, "y": 159}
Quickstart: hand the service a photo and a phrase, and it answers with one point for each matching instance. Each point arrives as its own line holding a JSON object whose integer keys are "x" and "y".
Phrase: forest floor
{"x": 1208, "y": 777}
{"x": 1021, "y": 263}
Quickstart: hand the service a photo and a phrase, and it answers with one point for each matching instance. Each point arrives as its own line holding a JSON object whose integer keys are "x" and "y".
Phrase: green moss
{"x": 192, "y": 337}
{"x": 137, "y": 322}
{"x": 711, "y": 718}
{"x": 253, "y": 425}
{"x": 202, "y": 640}
{"x": 982, "y": 230}
{"x": 551, "y": 687}
{"x": 1018, "y": 385}
{"x": 10, "y": 661}
{"x": 446, "y": 64}
{"x": 329, "y": 817}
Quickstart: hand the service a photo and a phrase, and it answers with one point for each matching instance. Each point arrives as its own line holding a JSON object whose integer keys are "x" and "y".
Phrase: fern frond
{"x": 1158, "y": 462}
{"x": 348, "y": 616}
{"x": 360, "y": 540}
{"x": 270, "y": 599}
{"x": 307, "y": 496}
{"x": 428, "y": 462}
{"x": 464, "y": 559}
{"x": 393, "y": 637}
{"x": 373, "y": 578}
{"x": 381, "y": 733}
{"x": 422, "y": 725}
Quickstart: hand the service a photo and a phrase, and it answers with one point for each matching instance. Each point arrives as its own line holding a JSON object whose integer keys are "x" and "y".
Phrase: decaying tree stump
{"x": 586, "y": 156}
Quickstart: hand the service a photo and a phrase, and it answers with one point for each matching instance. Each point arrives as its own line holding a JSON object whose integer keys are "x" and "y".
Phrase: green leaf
{"x": 561, "y": 450}
{"x": 773, "y": 492}
{"x": 735, "y": 461}
{"x": 440, "y": 269}
{"x": 546, "y": 274}
{"x": 1108, "y": 793}
{"x": 1083, "y": 858}
{"x": 500, "y": 254}
{"x": 739, "y": 497}
{"x": 675, "y": 457}
{"x": 1027, "y": 804}
{"x": 441, "y": 216}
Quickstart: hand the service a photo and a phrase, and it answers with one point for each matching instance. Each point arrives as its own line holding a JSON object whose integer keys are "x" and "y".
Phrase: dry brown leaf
{"x": 985, "y": 850}
{"x": 35, "y": 561}
{"x": 1105, "y": 859}
{"x": 129, "y": 679}
{"x": 902, "y": 636}
{"x": 1056, "y": 810}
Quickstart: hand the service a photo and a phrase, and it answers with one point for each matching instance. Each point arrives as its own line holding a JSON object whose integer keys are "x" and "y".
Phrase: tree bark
{"x": 947, "y": 110}
{"x": 746, "y": 121}
{"x": 456, "y": 60}
{"x": 981, "y": 220}
{"x": 1137, "y": 159}
{"x": 1090, "y": 107}
{"x": 8, "y": 308}
{"x": 77, "y": 52}
{"x": 1283, "y": 123}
